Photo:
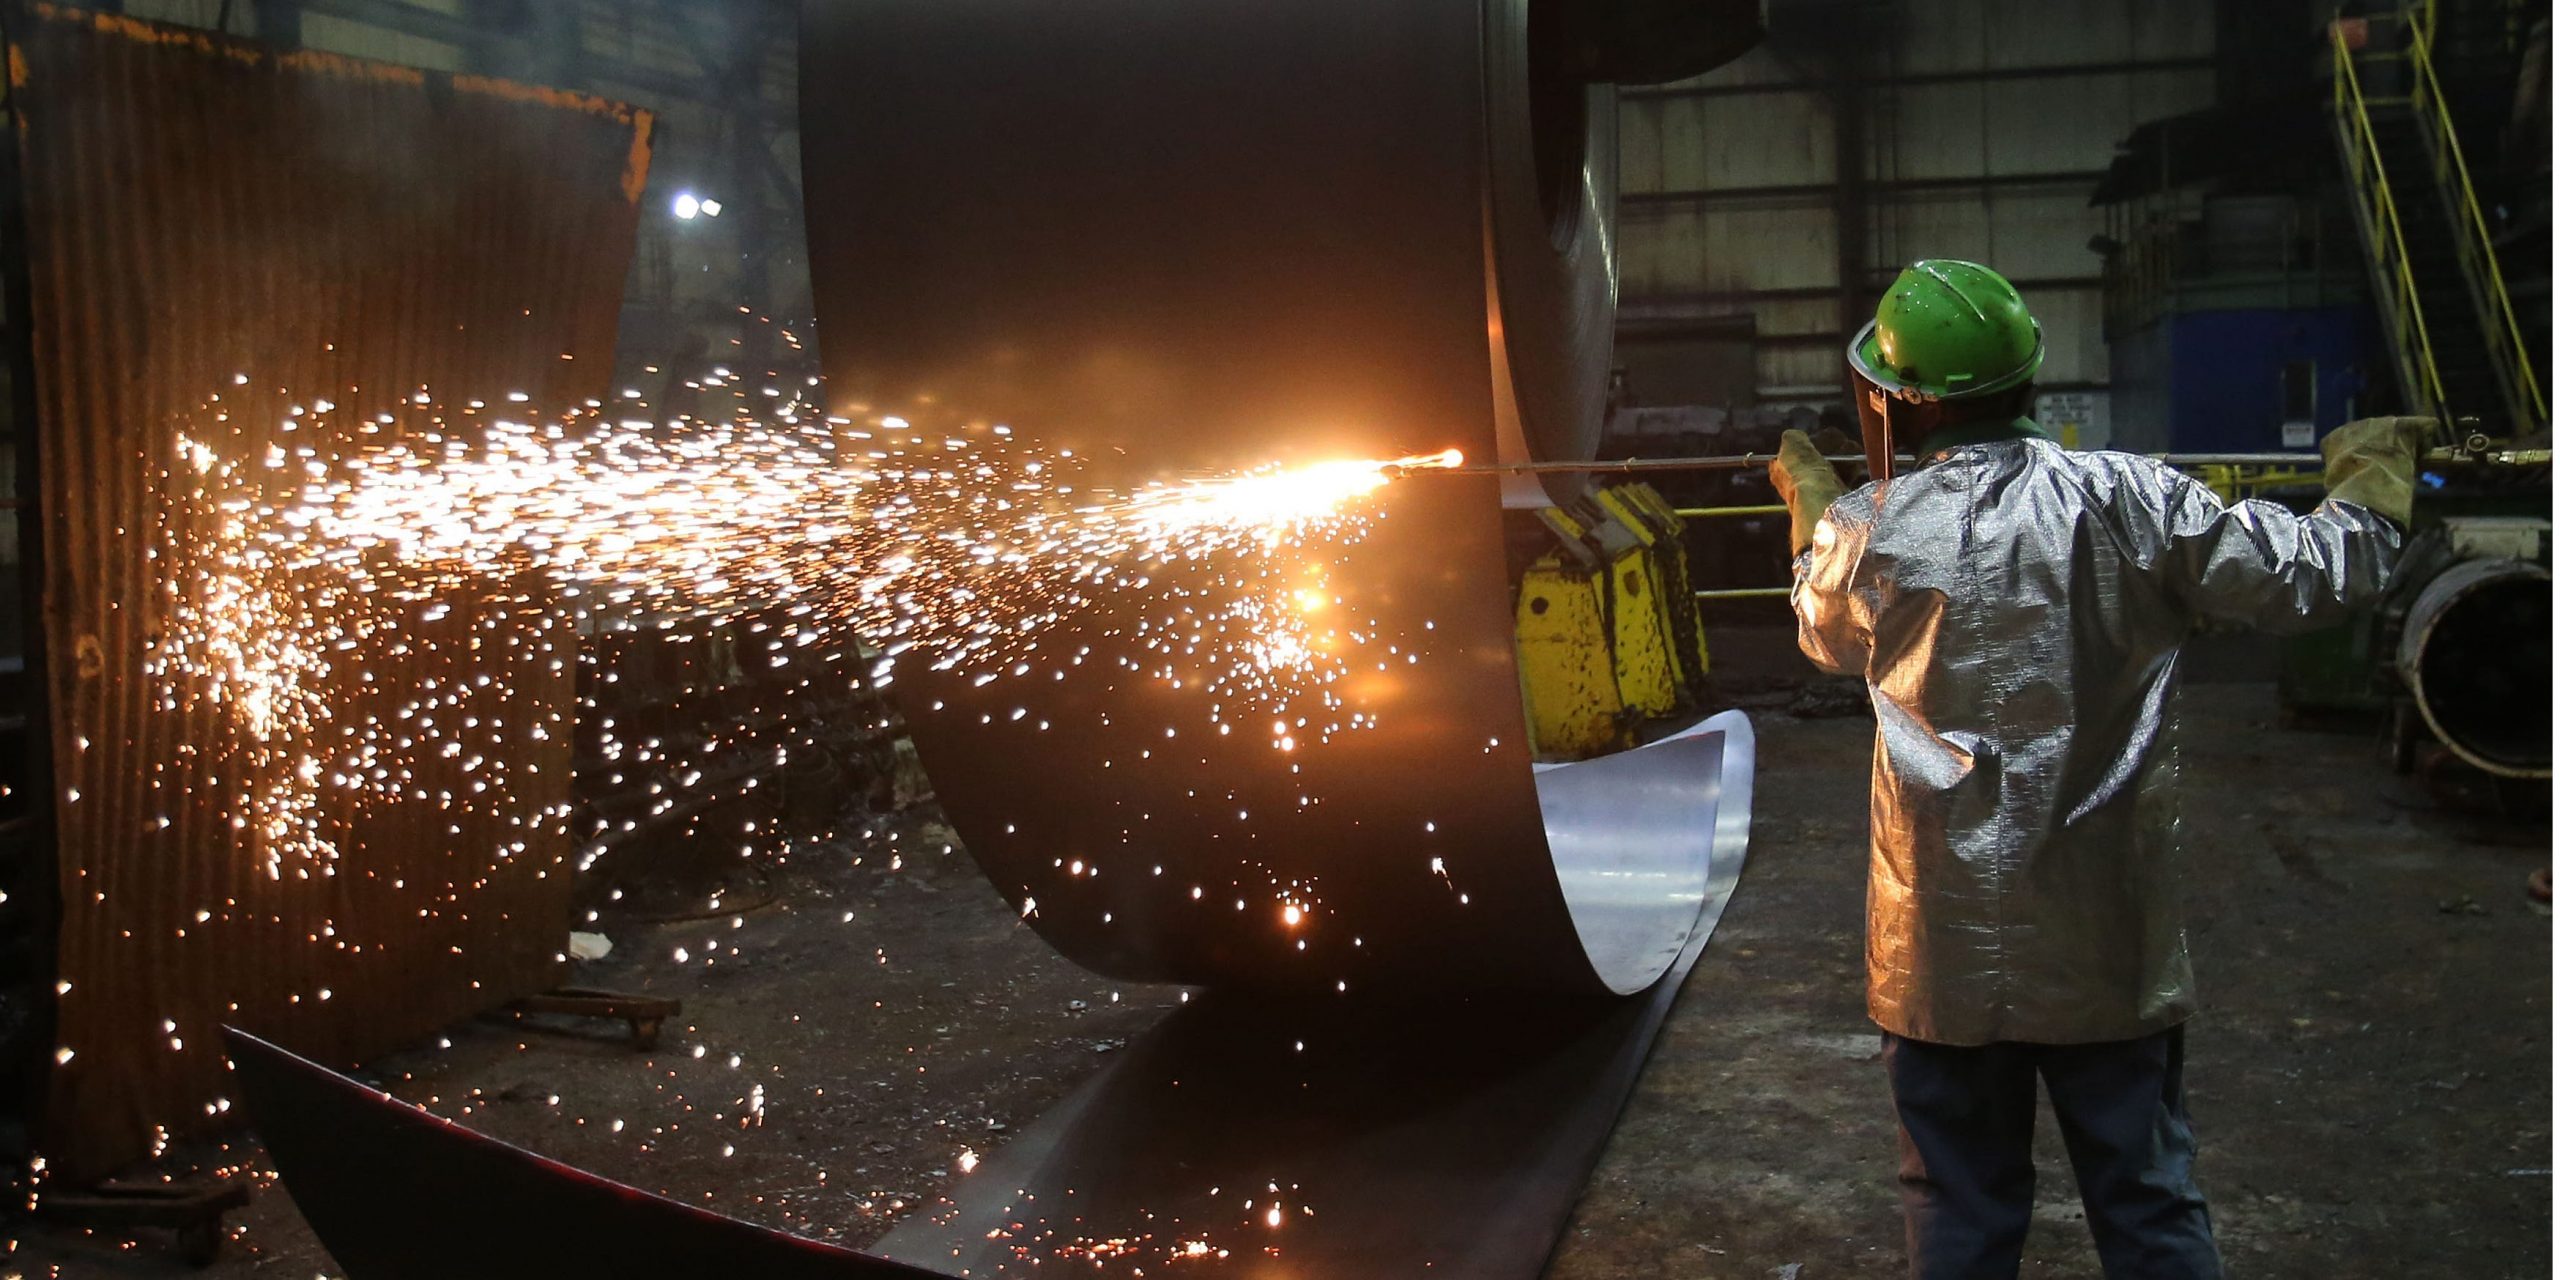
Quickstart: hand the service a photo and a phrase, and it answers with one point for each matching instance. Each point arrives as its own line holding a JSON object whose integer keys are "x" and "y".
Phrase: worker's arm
{"x": 1835, "y": 615}
{"x": 1831, "y": 627}
{"x": 2256, "y": 563}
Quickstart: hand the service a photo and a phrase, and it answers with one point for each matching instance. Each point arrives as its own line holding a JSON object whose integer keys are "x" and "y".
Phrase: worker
{"x": 2016, "y": 610}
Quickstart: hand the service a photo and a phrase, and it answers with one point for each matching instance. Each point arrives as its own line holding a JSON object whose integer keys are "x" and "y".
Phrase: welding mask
{"x": 1947, "y": 333}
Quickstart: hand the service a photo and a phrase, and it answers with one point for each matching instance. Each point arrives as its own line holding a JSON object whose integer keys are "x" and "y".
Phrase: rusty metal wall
{"x": 201, "y": 208}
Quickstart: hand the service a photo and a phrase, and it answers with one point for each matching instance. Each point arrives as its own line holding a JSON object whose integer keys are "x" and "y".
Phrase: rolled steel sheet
{"x": 1242, "y": 1136}
{"x": 1181, "y": 235}
{"x": 1170, "y": 236}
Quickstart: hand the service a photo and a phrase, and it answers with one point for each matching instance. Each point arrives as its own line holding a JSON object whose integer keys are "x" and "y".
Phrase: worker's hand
{"x": 2373, "y": 463}
{"x": 1806, "y": 482}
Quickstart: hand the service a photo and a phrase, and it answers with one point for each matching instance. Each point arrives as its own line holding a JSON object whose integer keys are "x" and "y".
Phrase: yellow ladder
{"x": 2403, "y": 312}
{"x": 2473, "y": 247}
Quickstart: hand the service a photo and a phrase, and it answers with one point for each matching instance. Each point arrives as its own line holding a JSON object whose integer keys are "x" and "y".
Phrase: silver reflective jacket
{"x": 2016, "y": 610}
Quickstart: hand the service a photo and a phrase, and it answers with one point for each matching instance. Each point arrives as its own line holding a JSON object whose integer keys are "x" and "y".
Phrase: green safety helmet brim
{"x": 1948, "y": 330}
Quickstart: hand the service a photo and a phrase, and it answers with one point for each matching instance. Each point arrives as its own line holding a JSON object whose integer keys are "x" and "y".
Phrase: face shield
{"x": 1883, "y": 417}
{"x": 1877, "y": 417}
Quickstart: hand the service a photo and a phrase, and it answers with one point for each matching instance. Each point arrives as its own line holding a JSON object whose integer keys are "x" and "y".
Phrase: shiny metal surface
{"x": 1631, "y": 850}
{"x": 2016, "y": 609}
{"x": 1551, "y": 210}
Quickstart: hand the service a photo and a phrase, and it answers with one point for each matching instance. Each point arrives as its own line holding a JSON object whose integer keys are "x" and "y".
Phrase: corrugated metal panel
{"x": 1639, "y": 146}
{"x": 1794, "y": 371}
{"x": 1762, "y": 64}
{"x": 1780, "y": 138}
{"x": 2034, "y": 128}
{"x": 1784, "y": 317}
{"x": 644, "y": 36}
{"x": 1965, "y": 129}
{"x": 2075, "y": 334}
{"x": 1937, "y": 36}
{"x": 2018, "y": 33}
{"x": 2043, "y": 233}
{"x": 1943, "y": 225}
{"x": 2186, "y": 28}
{"x": 1970, "y": 35}
{"x": 1938, "y": 134}
{"x": 365, "y": 40}
{"x": 1939, "y": 131}
{"x": 2030, "y": 234}
{"x": 199, "y": 208}
{"x": 1668, "y": 252}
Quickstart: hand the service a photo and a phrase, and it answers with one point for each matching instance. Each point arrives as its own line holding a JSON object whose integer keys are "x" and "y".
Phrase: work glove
{"x": 2373, "y": 463}
{"x": 1807, "y": 483}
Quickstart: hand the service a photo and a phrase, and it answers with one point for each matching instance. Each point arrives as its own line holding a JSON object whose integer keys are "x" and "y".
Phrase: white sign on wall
{"x": 2077, "y": 419}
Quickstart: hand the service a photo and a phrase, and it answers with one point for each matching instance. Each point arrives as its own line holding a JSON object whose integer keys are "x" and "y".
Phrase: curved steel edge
{"x": 397, "y": 1193}
{"x": 1642, "y": 867}
{"x": 1433, "y": 1135}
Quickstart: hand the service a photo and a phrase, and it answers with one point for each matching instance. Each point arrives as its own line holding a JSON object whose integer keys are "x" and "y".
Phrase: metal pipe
{"x": 1745, "y": 593}
{"x": 1745, "y": 461}
{"x": 2469, "y": 657}
{"x": 2506, "y": 457}
{"x": 1733, "y": 462}
{"x": 1709, "y": 513}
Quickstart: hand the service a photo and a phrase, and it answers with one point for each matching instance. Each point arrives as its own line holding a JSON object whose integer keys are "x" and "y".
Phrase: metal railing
{"x": 1712, "y": 513}
{"x": 2232, "y": 475}
{"x": 2478, "y": 254}
{"x": 2395, "y": 285}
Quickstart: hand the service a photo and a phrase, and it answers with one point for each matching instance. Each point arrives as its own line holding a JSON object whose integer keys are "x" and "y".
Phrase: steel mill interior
{"x": 1289, "y": 639}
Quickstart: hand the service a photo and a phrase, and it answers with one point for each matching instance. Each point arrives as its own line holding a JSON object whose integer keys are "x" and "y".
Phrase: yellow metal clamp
{"x": 1605, "y": 627}
{"x": 1567, "y": 680}
{"x": 1688, "y": 635}
{"x": 1711, "y": 513}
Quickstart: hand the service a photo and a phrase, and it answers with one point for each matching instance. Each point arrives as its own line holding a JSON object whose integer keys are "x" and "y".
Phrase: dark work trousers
{"x": 1968, "y": 1170}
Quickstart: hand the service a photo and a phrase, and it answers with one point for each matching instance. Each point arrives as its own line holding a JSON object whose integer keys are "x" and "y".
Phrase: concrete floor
{"x": 2371, "y": 1080}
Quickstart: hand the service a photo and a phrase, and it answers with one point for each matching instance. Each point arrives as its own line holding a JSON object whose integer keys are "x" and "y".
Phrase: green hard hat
{"x": 1948, "y": 330}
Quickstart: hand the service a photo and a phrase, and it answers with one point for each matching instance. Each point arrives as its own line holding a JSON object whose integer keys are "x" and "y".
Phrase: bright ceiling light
{"x": 687, "y": 205}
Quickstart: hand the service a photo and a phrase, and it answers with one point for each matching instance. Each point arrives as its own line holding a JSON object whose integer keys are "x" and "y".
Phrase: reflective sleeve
{"x": 2256, "y": 563}
{"x": 1835, "y": 618}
